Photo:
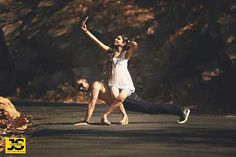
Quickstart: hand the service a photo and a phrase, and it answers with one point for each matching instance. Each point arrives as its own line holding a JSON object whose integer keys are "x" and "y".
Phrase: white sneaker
{"x": 184, "y": 116}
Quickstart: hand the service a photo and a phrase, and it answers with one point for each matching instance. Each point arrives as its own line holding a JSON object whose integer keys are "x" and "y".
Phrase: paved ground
{"x": 54, "y": 134}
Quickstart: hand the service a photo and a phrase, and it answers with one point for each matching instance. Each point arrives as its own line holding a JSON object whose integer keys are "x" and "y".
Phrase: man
{"x": 133, "y": 103}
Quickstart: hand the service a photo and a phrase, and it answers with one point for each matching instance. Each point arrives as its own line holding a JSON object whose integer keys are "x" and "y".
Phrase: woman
{"x": 119, "y": 79}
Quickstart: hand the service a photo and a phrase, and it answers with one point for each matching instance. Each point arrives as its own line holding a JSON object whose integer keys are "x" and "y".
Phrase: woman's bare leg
{"x": 125, "y": 116}
{"x": 115, "y": 93}
{"x": 118, "y": 102}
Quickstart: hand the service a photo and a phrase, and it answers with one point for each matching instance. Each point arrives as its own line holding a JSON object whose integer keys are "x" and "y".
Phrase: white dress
{"x": 120, "y": 76}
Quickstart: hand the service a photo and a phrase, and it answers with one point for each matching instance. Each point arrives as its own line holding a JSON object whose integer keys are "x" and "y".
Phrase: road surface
{"x": 54, "y": 135}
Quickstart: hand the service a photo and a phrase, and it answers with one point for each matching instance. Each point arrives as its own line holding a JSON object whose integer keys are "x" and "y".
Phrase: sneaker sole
{"x": 186, "y": 119}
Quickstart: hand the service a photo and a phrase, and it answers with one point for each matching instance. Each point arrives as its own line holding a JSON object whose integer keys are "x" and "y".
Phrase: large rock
{"x": 10, "y": 119}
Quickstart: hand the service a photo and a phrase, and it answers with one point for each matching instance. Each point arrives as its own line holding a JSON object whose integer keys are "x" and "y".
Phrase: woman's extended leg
{"x": 124, "y": 119}
{"x": 118, "y": 101}
{"x": 115, "y": 93}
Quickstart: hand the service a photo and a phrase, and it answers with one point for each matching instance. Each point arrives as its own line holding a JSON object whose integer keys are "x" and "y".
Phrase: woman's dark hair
{"x": 127, "y": 41}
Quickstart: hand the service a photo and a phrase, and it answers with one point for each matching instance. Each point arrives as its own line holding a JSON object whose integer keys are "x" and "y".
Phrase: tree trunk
{"x": 7, "y": 69}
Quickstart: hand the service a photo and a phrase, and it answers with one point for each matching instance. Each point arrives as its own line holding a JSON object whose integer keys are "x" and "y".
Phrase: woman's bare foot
{"x": 82, "y": 122}
{"x": 105, "y": 121}
{"x": 124, "y": 120}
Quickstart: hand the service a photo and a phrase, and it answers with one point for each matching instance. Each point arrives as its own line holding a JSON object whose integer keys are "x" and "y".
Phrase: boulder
{"x": 11, "y": 121}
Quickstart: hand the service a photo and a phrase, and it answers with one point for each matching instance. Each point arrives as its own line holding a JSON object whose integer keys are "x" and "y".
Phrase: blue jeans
{"x": 135, "y": 103}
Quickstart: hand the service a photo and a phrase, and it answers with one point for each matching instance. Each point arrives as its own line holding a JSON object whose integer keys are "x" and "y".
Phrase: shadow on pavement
{"x": 219, "y": 137}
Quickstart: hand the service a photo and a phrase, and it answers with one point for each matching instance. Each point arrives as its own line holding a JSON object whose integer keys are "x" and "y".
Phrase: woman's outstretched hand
{"x": 84, "y": 27}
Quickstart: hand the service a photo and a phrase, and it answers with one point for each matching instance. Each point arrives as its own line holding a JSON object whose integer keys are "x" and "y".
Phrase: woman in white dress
{"x": 119, "y": 79}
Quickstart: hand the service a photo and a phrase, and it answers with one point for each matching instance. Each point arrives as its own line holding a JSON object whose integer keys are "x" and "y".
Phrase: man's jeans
{"x": 134, "y": 103}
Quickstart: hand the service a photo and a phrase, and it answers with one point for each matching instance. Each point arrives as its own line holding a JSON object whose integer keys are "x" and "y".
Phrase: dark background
{"x": 186, "y": 49}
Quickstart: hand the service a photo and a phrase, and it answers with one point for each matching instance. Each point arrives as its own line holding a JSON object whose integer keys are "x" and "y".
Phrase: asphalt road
{"x": 54, "y": 135}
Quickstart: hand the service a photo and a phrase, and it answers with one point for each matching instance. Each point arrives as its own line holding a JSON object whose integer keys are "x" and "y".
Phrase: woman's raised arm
{"x": 100, "y": 44}
{"x": 131, "y": 50}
